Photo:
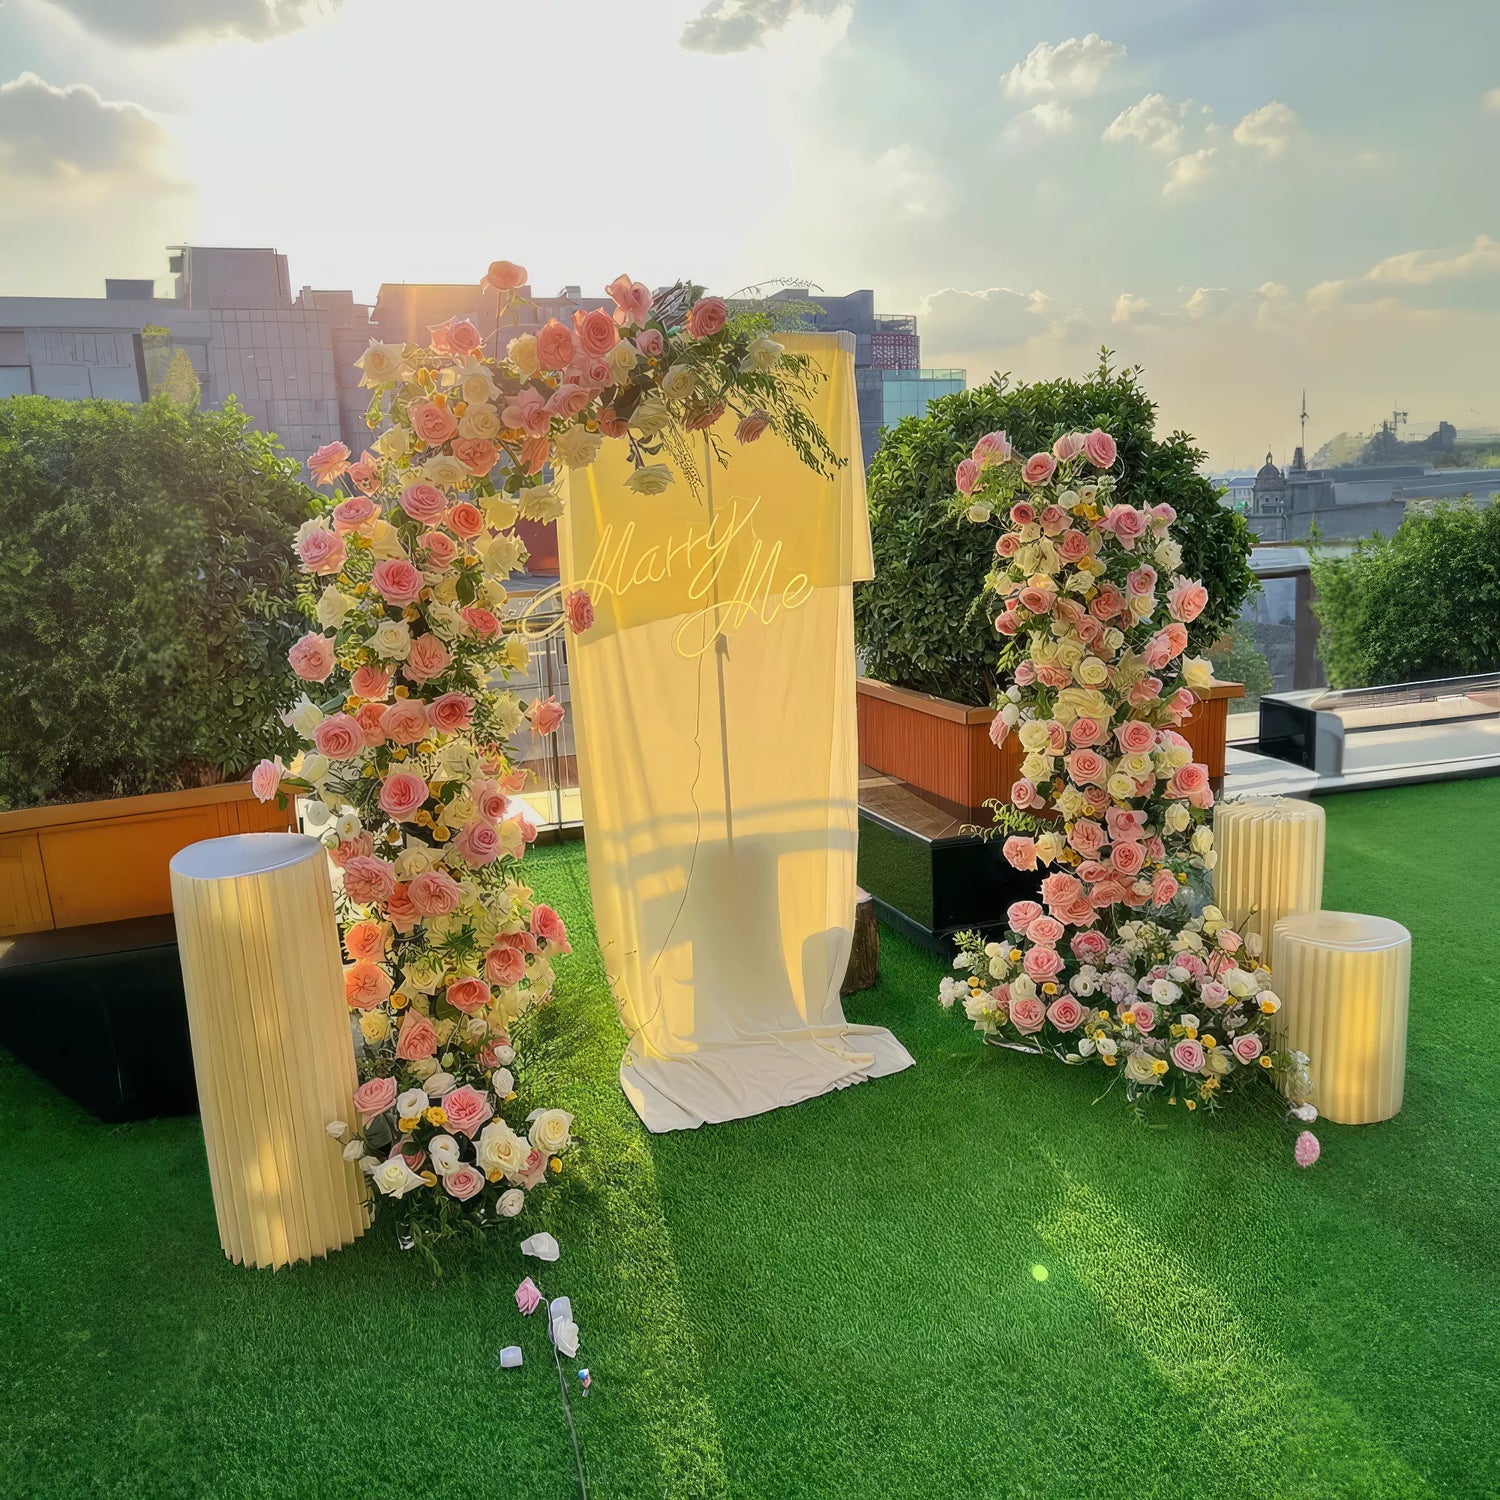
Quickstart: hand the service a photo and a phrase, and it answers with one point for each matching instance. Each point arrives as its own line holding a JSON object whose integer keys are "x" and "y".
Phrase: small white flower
{"x": 347, "y": 825}
{"x": 411, "y": 1103}
{"x": 504, "y": 1055}
{"x": 367, "y": 1165}
{"x": 543, "y": 1246}
{"x": 354, "y": 1150}
{"x": 337, "y": 1129}
{"x": 443, "y": 1150}
{"x": 510, "y": 1202}
{"x": 503, "y": 1081}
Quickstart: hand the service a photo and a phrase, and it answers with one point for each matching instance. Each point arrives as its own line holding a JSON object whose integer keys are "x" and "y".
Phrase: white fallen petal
{"x": 542, "y": 1246}
{"x": 565, "y": 1337}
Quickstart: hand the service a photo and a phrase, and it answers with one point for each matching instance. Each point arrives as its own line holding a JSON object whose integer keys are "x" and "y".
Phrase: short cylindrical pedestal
{"x": 272, "y": 1050}
{"x": 1344, "y": 983}
{"x": 1270, "y": 863}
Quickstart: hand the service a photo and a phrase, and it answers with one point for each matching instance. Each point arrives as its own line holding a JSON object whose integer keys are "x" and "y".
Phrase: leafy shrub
{"x": 1422, "y": 603}
{"x": 919, "y": 622}
{"x": 1236, "y": 658}
{"x": 147, "y": 597}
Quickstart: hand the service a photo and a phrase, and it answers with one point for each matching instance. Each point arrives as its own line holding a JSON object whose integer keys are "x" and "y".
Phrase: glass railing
{"x": 551, "y": 760}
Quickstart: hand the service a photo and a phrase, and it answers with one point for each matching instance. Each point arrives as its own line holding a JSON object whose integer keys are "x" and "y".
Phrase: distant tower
{"x": 1304, "y": 417}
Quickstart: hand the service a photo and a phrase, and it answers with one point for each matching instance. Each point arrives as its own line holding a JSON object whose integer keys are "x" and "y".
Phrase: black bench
{"x": 99, "y": 1012}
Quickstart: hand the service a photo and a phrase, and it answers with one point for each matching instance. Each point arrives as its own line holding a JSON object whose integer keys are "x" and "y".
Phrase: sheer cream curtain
{"x": 715, "y": 721}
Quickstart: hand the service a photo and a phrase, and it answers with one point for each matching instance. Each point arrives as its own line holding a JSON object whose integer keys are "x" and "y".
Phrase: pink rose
{"x": 265, "y": 779}
{"x": 374, "y": 1097}
{"x": 405, "y": 722}
{"x": 322, "y": 551}
{"x": 365, "y": 939}
{"x": 578, "y": 609}
{"x": 528, "y": 1297}
{"x": 1027, "y": 1015}
{"x": 434, "y": 893}
{"x": 477, "y": 455}
{"x": 368, "y": 881}
{"x": 1307, "y": 1150}
{"x": 437, "y": 337}
{"x": 1187, "y": 600}
{"x": 966, "y": 476}
{"x": 1228, "y": 940}
{"x": 464, "y": 1181}
{"x": 1045, "y": 930}
{"x": 706, "y": 317}
{"x": 365, "y": 475}
{"x": 1069, "y": 445}
{"x": 547, "y": 926}
{"x": 351, "y": 514}
{"x": 1099, "y": 449}
{"x": 1073, "y": 546}
{"x": 424, "y": 503}
{"x": 312, "y": 658}
{"x": 1143, "y": 1015}
{"x": 596, "y": 331}
{"x": 1126, "y": 824}
{"x": 370, "y": 682}
{"x": 467, "y": 1109}
{"x": 567, "y": 401}
{"x": 992, "y": 448}
{"x": 1087, "y": 837}
{"x": 650, "y": 343}
{"x": 1162, "y": 516}
{"x": 428, "y": 658}
{"x": 1085, "y": 766}
{"x": 1040, "y": 467}
{"x": 1059, "y": 889}
{"x": 468, "y": 995}
{"x": 545, "y": 715}
{"x": 328, "y": 463}
{"x": 463, "y": 337}
{"x": 1164, "y": 885}
{"x": 451, "y": 712}
{"x": 1246, "y": 1048}
{"x": 365, "y": 985}
{"x": 1107, "y": 603}
{"x": 432, "y": 423}
{"x": 1023, "y": 794}
{"x": 504, "y": 966}
{"x": 632, "y": 300}
{"x": 504, "y": 276}
{"x": 999, "y": 730}
{"x": 1141, "y": 581}
{"x": 1022, "y": 513}
{"x": 1007, "y": 622}
{"x": 705, "y": 417}
{"x": 1021, "y": 914}
{"x": 339, "y": 737}
{"x": 555, "y": 345}
{"x": 1188, "y": 1055}
{"x": 1144, "y": 690}
{"x": 465, "y": 520}
{"x": 1128, "y": 859}
{"x": 484, "y": 623}
{"x": 1188, "y": 779}
{"x": 1089, "y": 946}
{"x": 402, "y": 794}
{"x": 751, "y": 427}
{"x": 1086, "y": 731}
{"x": 1020, "y": 852}
{"x": 1066, "y": 1014}
{"x": 397, "y": 581}
{"x": 417, "y": 1038}
{"x": 1127, "y": 523}
{"x": 1042, "y": 963}
{"x": 1038, "y": 601}
{"x": 438, "y": 547}
{"x": 1136, "y": 736}
{"x": 478, "y": 844}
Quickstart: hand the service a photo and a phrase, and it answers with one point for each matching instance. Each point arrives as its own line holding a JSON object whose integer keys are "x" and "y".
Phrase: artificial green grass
{"x": 833, "y": 1300}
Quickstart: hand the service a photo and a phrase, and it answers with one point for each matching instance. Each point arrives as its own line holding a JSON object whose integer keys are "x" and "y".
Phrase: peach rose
{"x": 468, "y": 995}
{"x": 322, "y": 552}
{"x": 1027, "y": 1015}
{"x": 417, "y": 1039}
{"x": 424, "y": 503}
{"x": 370, "y": 682}
{"x": 265, "y": 779}
{"x": 478, "y": 844}
{"x": 1141, "y": 581}
{"x": 1087, "y": 837}
{"x": 1187, "y": 600}
{"x": 567, "y": 401}
{"x": 1039, "y": 468}
{"x": 432, "y": 423}
{"x": 359, "y": 847}
{"x": 1086, "y": 731}
{"x": 1069, "y": 445}
{"x": 1135, "y": 736}
{"x": 463, "y": 337}
{"x": 555, "y": 345}
{"x": 405, "y": 722}
{"x": 1164, "y": 886}
{"x": 1020, "y": 852}
{"x": 504, "y": 276}
{"x": 966, "y": 476}
{"x": 1042, "y": 963}
{"x": 339, "y": 737}
{"x": 477, "y": 455}
{"x": 312, "y": 657}
{"x": 402, "y": 794}
{"x": 371, "y": 720}
{"x": 351, "y": 514}
{"x": 706, "y": 317}
{"x": 451, "y": 713}
{"x": 545, "y": 714}
{"x": 596, "y": 331}
{"x": 1127, "y": 858}
{"x": 434, "y": 893}
{"x": 438, "y": 548}
{"x": 1099, "y": 449}
{"x": 374, "y": 1097}
{"x": 368, "y": 881}
{"x": 632, "y": 300}
{"x": 397, "y": 581}
{"x": 1073, "y": 546}
{"x": 365, "y": 475}
{"x": 504, "y": 966}
{"x": 428, "y": 658}
{"x": 578, "y": 608}
{"x": 465, "y": 520}
{"x": 328, "y": 463}
{"x": 366, "y": 984}
{"x": 547, "y": 926}
{"x": 365, "y": 939}
{"x": 1085, "y": 766}
{"x": 402, "y": 915}
{"x": 751, "y": 427}
{"x": 467, "y": 1110}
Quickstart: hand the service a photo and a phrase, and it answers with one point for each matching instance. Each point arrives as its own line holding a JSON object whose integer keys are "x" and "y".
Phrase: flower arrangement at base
{"x": 405, "y": 766}
{"x": 1117, "y": 964}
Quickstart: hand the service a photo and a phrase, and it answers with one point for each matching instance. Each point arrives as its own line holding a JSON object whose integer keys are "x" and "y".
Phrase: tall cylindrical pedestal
{"x": 1344, "y": 983}
{"x": 272, "y": 1050}
{"x": 1270, "y": 863}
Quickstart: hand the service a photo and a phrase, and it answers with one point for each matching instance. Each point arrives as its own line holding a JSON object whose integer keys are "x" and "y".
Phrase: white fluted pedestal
{"x": 1344, "y": 982}
{"x": 272, "y": 1050}
{"x": 1270, "y": 863}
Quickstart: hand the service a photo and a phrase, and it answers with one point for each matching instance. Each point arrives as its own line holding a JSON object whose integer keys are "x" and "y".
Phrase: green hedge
{"x": 147, "y": 597}
{"x": 1423, "y": 603}
{"x": 920, "y": 623}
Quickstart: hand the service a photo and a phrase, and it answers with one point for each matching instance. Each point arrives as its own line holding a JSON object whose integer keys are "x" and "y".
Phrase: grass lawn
{"x": 841, "y": 1299}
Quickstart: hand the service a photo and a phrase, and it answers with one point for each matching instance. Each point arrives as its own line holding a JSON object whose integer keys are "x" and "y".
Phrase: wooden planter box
{"x": 73, "y": 864}
{"x": 943, "y": 748}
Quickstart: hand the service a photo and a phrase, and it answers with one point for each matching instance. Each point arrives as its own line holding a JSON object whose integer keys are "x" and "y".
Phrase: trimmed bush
{"x": 920, "y": 622}
{"x": 147, "y": 597}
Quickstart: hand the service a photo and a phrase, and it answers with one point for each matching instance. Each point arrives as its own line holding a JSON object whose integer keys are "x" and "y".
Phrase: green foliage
{"x": 1243, "y": 661}
{"x": 147, "y": 596}
{"x": 1423, "y": 603}
{"x": 920, "y": 621}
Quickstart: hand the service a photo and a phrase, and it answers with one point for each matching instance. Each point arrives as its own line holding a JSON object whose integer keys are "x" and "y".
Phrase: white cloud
{"x": 1491, "y": 102}
{"x": 1047, "y": 118}
{"x": 1425, "y": 267}
{"x": 1075, "y": 68}
{"x": 1184, "y": 173}
{"x": 1270, "y": 129}
{"x": 996, "y": 317}
{"x": 157, "y": 23}
{"x": 724, "y": 26}
{"x": 1155, "y": 123}
{"x": 72, "y": 139}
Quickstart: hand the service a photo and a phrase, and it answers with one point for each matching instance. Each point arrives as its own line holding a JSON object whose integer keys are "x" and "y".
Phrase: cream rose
{"x": 650, "y": 479}
{"x": 375, "y": 1026}
{"x": 479, "y": 421}
{"x": 381, "y": 364}
{"x": 504, "y": 554}
{"x": 549, "y": 1130}
{"x": 394, "y": 1178}
{"x": 395, "y": 442}
{"x": 304, "y": 716}
{"x": 333, "y": 608}
{"x": 1092, "y": 672}
{"x": 1197, "y": 671}
{"x": 500, "y": 1149}
{"x": 391, "y": 640}
{"x": 500, "y": 512}
{"x": 510, "y": 1203}
{"x": 678, "y": 383}
{"x": 577, "y": 448}
{"x": 650, "y": 416}
{"x": 521, "y": 352}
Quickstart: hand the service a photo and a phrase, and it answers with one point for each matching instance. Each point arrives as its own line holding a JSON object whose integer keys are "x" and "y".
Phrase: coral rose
{"x": 555, "y": 345}
{"x": 312, "y": 657}
{"x": 1042, "y": 963}
{"x": 1040, "y": 467}
{"x": 451, "y": 713}
{"x": 751, "y": 427}
{"x": 1087, "y": 766}
{"x": 351, "y": 514}
{"x": 417, "y": 1039}
{"x": 545, "y": 715}
{"x": 1089, "y": 946}
{"x": 596, "y": 331}
{"x": 428, "y": 658}
{"x": 477, "y": 455}
{"x": 365, "y": 939}
{"x": 504, "y": 966}
{"x": 370, "y": 682}
{"x": 397, "y": 581}
{"x": 402, "y": 794}
{"x": 504, "y": 276}
{"x": 465, "y": 520}
{"x": 434, "y": 893}
{"x": 463, "y": 337}
{"x": 404, "y": 722}
{"x": 1027, "y": 1015}
{"x": 339, "y": 737}
{"x": 578, "y": 608}
{"x": 438, "y": 548}
{"x": 432, "y": 423}
{"x": 706, "y": 317}
{"x": 546, "y": 925}
{"x": 483, "y": 623}
{"x": 368, "y": 881}
{"x": 1020, "y": 852}
{"x": 1186, "y": 600}
{"x": 424, "y": 503}
{"x": 1066, "y": 1014}
{"x": 468, "y": 995}
{"x": 328, "y": 463}
{"x": 366, "y": 984}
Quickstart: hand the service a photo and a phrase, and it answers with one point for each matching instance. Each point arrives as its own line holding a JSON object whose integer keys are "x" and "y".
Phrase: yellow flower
{"x": 1210, "y": 1041}
{"x": 368, "y": 773}
{"x": 427, "y": 747}
{"x": 1192, "y": 1032}
{"x": 1049, "y": 988}
{"x": 1015, "y": 955}
{"x": 493, "y": 1176}
{"x": 430, "y": 1178}
{"x": 1192, "y": 1103}
{"x": 399, "y": 1002}
{"x": 1159, "y": 1066}
{"x": 1109, "y": 1062}
{"x": 442, "y": 834}
{"x": 1268, "y": 1007}
{"x": 436, "y": 1115}
{"x": 1265, "y": 1061}
{"x": 555, "y": 1164}
{"x": 403, "y": 692}
{"x": 409, "y": 1123}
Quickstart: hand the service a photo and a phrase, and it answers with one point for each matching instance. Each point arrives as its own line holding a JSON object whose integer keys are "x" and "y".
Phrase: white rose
{"x": 347, "y": 825}
{"x": 381, "y": 363}
{"x": 503, "y": 1081}
{"x": 368, "y": 1164}
{"x": 543, "y": 502}
{"x": 678, "y": 383}
{"x": 510, "y": 1203}
{"x": 577, "y": 448}
{"x": 650, "y": 479}
{"x": 411, "y": 1103}
{"x": 333, "y": 608}
{"x": 391, "y": 640}
{"x": 622, "y": 359}
{"x": 650, "y": 416}
{"x": 500, "y": 1149}
{"x": 500, "y": 512}
{"x": 1168, "y": 555}
{"x": 504, "y": 1055}
{"x": 763, "y": 355}
{"x": 394, "y": 442}
{"x": 423, "y": 1067}
{"x": 1177, "y": 817}
{"x": 1108, "y": 1046}
{"x": 440, "y": 1084}
{"x": 521, "y": 352}
{"x": 481, "y": 421}
{"x": 549, "y": 1130}
{"x": 445, "y": 472}
{"x": 979, "y": 512}
{"x": 354, "y": 1149}
{"x": 314, "y": 812}
{"x": 304, "y": 716}
{"x": 336, "y": 1129}
{"x": 394, "y": 1178}
{"x": 504, "y": 554}
{"x": 443, "y": 1150}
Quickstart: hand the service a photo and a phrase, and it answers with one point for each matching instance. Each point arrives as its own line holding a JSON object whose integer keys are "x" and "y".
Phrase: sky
{"x": 1245, "y": 199}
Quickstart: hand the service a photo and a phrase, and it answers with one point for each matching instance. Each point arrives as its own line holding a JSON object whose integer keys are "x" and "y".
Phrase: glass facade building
{"x": 905, "y": 393}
